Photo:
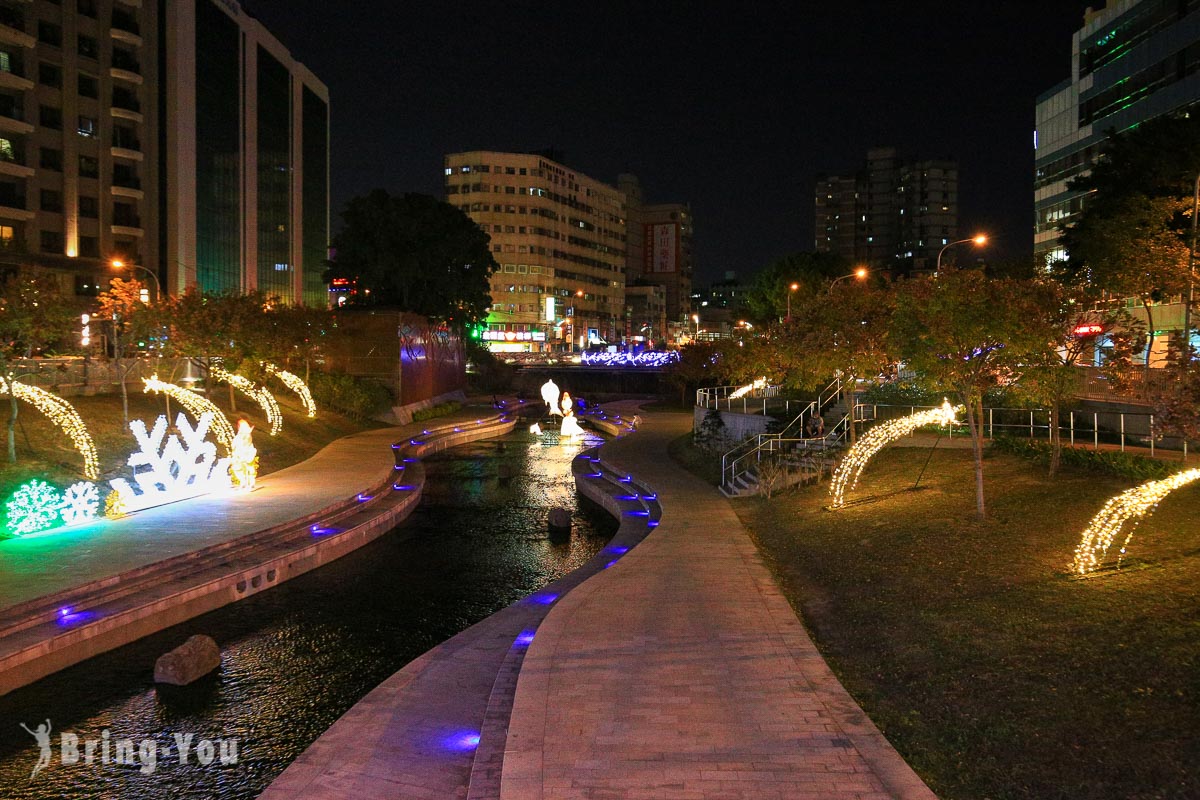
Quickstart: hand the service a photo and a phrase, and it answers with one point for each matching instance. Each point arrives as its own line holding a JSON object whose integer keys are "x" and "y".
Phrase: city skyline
{"x": 735, "y": 114}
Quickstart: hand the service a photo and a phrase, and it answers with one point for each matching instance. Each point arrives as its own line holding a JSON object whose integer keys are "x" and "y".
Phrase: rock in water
{"x": 560, "y": 519}
{"x": 192, "y": 660}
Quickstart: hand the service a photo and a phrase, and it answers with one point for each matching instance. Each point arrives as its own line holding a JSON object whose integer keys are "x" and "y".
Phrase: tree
{"x": 965, "y": 333}
{"x": 698, "y": 365}
{"x": 1133, "y": 249}
{"x": 1132, "y": 236}
{"x": 127, "y": 319}
{"x": 34, "y": 316}
{"x": 1069, "y": 327}
{"x": 843, "y": 330}
{"x": 416, "y": 253}
{"x": 767, "y": 297}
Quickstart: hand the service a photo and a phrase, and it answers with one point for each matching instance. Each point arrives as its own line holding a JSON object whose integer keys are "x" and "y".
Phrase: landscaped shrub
{"x": 440, "y": 410}
{"x": 361, "y": 397}
{"x": 1105, "y": 462}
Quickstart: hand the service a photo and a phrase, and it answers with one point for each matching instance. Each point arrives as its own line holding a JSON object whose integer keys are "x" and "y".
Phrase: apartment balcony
{"x": 15, "y": 169}
{"x": 125, "y": 28}
{"x": 125, "y": 75}
{"x": 13, "y": 123}
{"x": 14, "y": 208}
{"x": 133, "y": 192}
{"x": 131, "y": 153}
{"x": 127, "y": 113}
{"x": 12, "y": 29}
{"x": 15, "y": 81}
{"x": 129, "y": 230}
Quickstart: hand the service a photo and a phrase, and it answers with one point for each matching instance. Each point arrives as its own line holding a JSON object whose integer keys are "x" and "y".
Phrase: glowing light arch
{"x": 258, "y": 394}
{"x": 297, "y": 385}
{"x": 855, "y": 461}
{"x": 62, "y": 414}
{"x": 197, "y": 406}
{"x": 1130, "y": 506}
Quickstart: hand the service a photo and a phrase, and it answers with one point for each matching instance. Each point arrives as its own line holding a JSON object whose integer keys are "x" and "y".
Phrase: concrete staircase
{"x": 799, "y": 468}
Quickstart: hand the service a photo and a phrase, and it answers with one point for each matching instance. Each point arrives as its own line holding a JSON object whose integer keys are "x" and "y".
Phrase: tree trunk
{"x": 12, "y": 426}
{"x": 1149, "y": 343}
{"x": 232, "y": 401}
{"x": 974, "y": 424}
{"x": 1055, "y": 437}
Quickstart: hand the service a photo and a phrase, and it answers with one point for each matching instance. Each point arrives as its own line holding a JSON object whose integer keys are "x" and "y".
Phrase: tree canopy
{"x": 767, "y": 297}
{"x": 416, "y": 253}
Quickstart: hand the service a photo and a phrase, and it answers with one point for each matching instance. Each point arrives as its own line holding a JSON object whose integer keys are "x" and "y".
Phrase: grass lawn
{"x": 993, "y": 672}
{"x": 45, "y": 452}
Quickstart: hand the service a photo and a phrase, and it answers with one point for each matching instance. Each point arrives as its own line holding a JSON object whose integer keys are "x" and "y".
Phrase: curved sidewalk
{"x": 682, "y": 672}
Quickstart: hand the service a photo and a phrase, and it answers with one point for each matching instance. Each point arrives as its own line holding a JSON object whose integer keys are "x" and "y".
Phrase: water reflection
{"x": 296, "y": 657}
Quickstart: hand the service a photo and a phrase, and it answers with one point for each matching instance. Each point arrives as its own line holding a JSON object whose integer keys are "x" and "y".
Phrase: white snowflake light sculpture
{"x": 33, "y": 508}
{"x": 175, "y": 467}
{"x": 297, "y": 385}
{"x": 79, "y": 503}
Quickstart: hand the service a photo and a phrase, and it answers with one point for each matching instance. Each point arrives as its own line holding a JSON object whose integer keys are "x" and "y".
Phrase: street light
{"x": 119, "y": 264}
{"x": 860, "y": 273}
{"x": 791, "y": 289}
{"x": 979, "y": 239}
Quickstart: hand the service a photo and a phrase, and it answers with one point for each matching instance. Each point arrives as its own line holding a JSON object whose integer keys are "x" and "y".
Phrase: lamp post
{"x": 696, "y": 322}
{"x": 860, "y": 273}
{"x": 791, "y": 289}
{"x": 979, "y": 239}
{"x": 119, "y": 264}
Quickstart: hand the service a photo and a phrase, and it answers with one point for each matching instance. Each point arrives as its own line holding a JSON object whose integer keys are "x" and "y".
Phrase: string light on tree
{"x": 297, "y": 385}
{"x": 1128, "y": 508}
{"x": 63, "y": 415}
{"x": 855, "y": 461}
{"x": 197, "y": 406}
{"x": 258, "y": 394}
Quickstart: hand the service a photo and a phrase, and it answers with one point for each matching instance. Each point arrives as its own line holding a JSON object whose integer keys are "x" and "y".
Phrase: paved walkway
{"x": 42, "y": 565}
{"x": 683, "y": 673}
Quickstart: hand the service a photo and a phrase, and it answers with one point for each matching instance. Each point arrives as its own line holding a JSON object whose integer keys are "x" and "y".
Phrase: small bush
{"x": 440, "y": 410}
{"x": 1103, "y": 462}
{"x": 361, "y": 397}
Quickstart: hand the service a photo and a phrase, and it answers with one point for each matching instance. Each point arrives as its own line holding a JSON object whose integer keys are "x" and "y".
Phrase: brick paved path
{"x": 683, "y": 673}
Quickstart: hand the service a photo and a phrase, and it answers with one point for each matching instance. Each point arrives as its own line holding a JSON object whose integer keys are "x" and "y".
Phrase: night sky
{"x": 733, "y": 107}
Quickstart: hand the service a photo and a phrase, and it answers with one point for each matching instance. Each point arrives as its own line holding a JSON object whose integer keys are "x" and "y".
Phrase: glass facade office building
{"x": 1132, "y": 60}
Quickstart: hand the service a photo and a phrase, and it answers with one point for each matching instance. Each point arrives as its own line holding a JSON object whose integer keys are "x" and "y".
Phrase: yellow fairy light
{"x": 1131, "y": 505}
{"x": 748, "y": 388}
{"x": 62, "y": 414}
{"x": 243, "y": 459}
{"x": 196, "y": 405}
{"x": 297, "y": 385}
{"x": 258, "y": 394}
{"x": 855, "y": 461}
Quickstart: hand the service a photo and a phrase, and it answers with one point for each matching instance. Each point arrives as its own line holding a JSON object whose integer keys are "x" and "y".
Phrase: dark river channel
{"x": 295, "y": 658}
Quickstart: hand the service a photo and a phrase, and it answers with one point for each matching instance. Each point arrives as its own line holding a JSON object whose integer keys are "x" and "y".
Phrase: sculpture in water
{"x": 550, "y": 396}
{"x": 570, "y": 427}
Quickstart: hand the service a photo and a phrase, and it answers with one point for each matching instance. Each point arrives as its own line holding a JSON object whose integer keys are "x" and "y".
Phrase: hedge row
{"x": 1104, "y": 462}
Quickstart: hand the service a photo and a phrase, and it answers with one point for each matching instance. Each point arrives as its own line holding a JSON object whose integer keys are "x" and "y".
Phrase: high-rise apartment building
{"x": 659, "y": 250}
{"x": 1132, "y": 60}
{"x": 174, "y": 135}
{"x": 892, "y": 214}
{"x": 559, "y": 237}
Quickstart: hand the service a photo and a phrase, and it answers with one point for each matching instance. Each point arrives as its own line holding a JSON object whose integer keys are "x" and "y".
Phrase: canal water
{"x": 295, "y": 658}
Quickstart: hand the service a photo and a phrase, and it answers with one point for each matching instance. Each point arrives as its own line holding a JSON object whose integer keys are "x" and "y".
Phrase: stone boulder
{"x": 189, "y": 662}
{"x": 560, "y": 519}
